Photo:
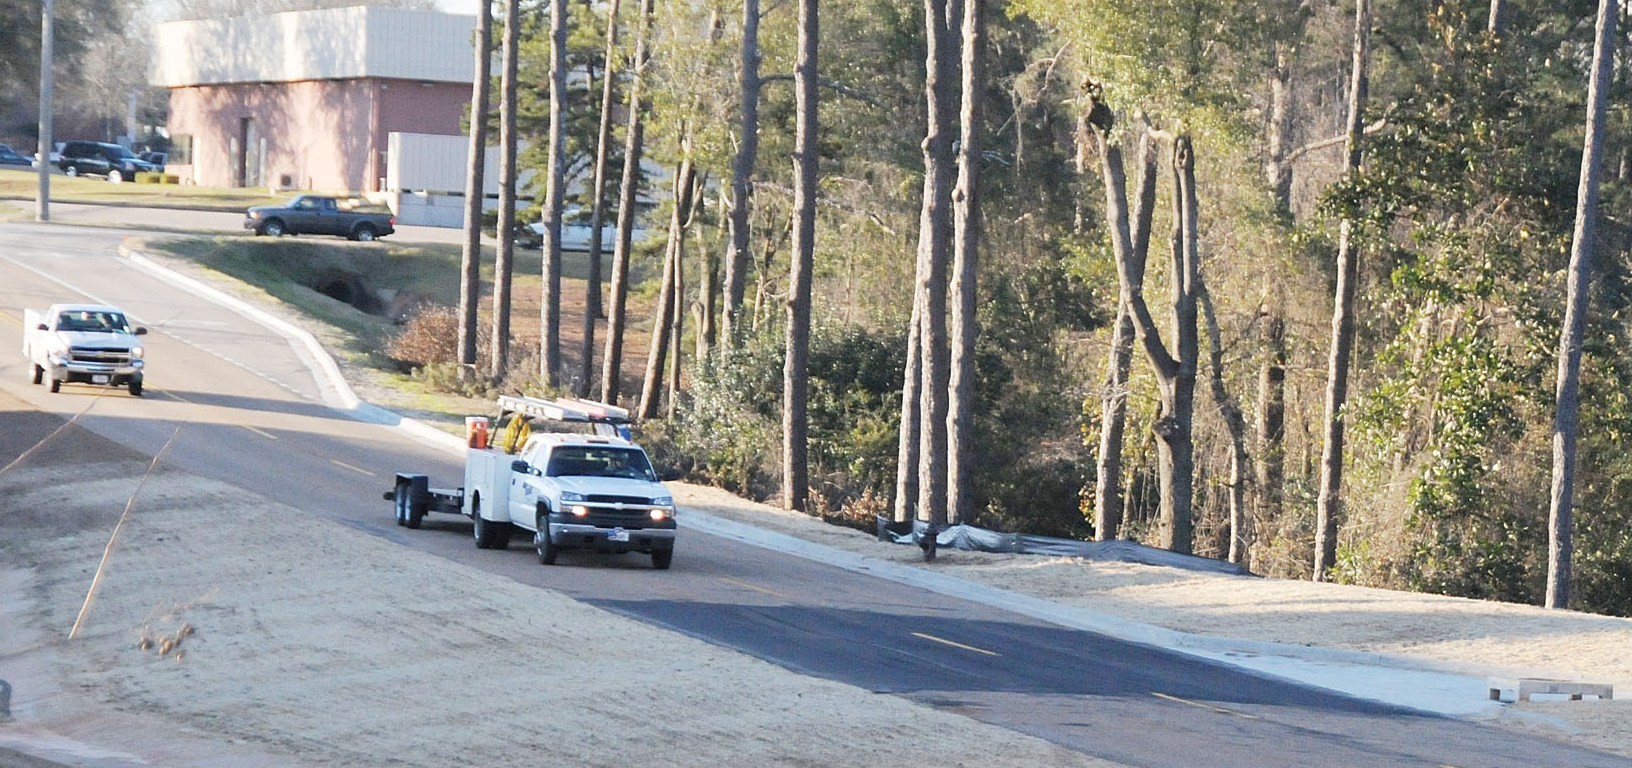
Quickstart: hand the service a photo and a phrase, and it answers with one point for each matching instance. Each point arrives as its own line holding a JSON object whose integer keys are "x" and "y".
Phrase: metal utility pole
{"x": 42, "y": 199}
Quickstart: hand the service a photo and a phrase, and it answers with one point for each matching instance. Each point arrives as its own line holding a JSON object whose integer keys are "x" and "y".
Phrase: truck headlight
{"x": 663, "y": 501}
{"x": 570, "y": 496}
{"x": 659, "y": 514}
{"x": 579, "y": 510}
{"x": 137, "y": 352}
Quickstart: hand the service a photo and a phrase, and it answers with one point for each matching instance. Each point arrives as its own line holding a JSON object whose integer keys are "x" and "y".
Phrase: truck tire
{"x": 134, "y": 386}
{"x": 39, "y": 374}
{"x": 272, "y": 228}
{"x": 56, "y": 386}
{"x": 364, "y": 233}
{"x": 490, "y": 534}
{"x": 661, "y": 558}
{"x": 400, "y": 504}
{"x": 547, "y": 551}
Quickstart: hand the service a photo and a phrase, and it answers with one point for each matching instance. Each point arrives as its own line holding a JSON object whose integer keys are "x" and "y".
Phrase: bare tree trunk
{"x": 742, "y": 171}
{"x": 1113, "y": 420}
{"x": 795, "y": 372}
{"x": 549, "y": 361}
{"x": 1498, "y": 18}
{"x": 1175, "y": 377}
{"x": 906, "y": 459}
{"x": 677, "y": 315}
{"x": 1277, "y": 169}
{"x": 663, "y": 315}
{"x": 612, "y": 363}
{"x": 597, "y": 214}
{"x": 1177, "y": 454}
{"x": 708, "y": 298}
{"x": 1271, "y": 418}
{"x": 1560, "y": 519}
{"x": 965, "y": 270}
{"x": 1236, "y": 424}
{"x": 470, "y": 256}
{"x": 1114, "y": 407}
{"x": 1329, "y": 507}
{"x": 934, "y": 235}
{"x": 503, "y": 269}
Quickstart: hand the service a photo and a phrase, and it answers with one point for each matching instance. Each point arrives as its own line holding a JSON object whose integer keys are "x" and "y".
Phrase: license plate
{"x": 618, "y": 534}
{"x": 100, "y": 378}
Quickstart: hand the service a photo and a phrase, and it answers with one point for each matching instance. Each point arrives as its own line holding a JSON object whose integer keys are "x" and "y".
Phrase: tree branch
{"x": 1294, "y": 155}
{"x": 834, "y": 85}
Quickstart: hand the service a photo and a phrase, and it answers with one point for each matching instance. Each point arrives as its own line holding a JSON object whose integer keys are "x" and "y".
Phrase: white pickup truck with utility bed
{"x": 83, "y": 344}
{"x": 570, "y": 490}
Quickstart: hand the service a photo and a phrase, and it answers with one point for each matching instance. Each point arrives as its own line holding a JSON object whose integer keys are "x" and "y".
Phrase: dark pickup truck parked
{"x": 352, "y": 217}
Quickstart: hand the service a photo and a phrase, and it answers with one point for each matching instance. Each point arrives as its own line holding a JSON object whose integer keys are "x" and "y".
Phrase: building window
{"x": 181, "y": 149}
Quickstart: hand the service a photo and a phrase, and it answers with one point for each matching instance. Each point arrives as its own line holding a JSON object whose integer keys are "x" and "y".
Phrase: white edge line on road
{"x": 305, "y": 344}
{"x": 336, "y": 392}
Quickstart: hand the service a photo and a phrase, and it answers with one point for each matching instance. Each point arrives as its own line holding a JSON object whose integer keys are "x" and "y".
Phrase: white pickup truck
{"x": 570, "y": 490}
{"x": 83, "y": 344}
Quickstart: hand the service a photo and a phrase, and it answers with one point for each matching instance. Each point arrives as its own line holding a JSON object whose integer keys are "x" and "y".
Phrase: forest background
{"x": 1460, "y": 212}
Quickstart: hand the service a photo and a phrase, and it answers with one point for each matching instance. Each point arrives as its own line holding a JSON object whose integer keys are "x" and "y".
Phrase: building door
{"x": 247, "y": 154}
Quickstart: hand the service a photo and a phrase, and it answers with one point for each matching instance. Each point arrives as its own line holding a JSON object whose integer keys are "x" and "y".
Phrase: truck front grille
{"x": 602, "y": 498}
{"x": 99, "y": 356}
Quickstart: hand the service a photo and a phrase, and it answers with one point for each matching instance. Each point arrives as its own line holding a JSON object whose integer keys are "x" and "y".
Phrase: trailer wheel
{"x": 416, "y": 513}
{"x": 401, "y": 504}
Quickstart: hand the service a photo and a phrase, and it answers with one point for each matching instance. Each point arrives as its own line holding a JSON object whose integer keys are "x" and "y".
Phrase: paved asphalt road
{"x": 251, "y": 415}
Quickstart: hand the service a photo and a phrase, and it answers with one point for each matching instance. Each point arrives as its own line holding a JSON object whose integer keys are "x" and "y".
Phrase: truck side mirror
{"x": 140, "y": 331}
{"x": 42, "y": 327}
{"x": 520, "y": 466}
{"x": 669, "y": 475}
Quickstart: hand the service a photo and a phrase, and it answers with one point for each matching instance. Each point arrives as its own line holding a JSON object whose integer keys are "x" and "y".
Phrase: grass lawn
{"x": 23, "y": 184}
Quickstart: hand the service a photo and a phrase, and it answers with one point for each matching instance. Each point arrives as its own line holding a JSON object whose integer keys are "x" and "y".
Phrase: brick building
{"x": 308, "y": 99}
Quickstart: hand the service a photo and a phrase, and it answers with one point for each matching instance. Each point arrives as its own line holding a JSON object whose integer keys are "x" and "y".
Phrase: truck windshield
{"x": 584, "y": 461}
{"x": 92, "y": 320}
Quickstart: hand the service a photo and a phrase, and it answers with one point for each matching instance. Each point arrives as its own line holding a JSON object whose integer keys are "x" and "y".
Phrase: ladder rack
{"x": 563, "y": 409}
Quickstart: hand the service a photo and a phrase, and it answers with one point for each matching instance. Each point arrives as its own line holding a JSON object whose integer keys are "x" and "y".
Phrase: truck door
{"x": 523, "y": 503}
{"x": 328, "y": 217}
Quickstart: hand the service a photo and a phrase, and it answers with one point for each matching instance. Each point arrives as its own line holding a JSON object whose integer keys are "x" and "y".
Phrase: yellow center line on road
{"x": 756, "y": 588}
{"x": 358, "y": 470}
{"x": 1203, "y": 705}
{"x": 11, "y": 319}
{"x": 954, "y": 644}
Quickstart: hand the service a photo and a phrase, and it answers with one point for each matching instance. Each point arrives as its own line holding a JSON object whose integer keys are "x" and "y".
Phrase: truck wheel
{"x": 39, "y": 374}
{"x": 56, "y": 385}
{"x": 364, "y": 233}
{"x": 661, "y": 558}
{"x": 135, "y": 386}
{"x": 547, "y": 550}
{"x": 272, "y": 228}
{"x": 491, "y": 534}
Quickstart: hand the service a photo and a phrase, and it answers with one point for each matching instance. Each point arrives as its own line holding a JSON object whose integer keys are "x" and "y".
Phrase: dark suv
{"x": 94, "y": 158}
